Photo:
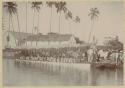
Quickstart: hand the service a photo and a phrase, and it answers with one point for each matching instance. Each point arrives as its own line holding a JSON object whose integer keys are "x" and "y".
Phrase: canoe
{"x": 106, "y": 65}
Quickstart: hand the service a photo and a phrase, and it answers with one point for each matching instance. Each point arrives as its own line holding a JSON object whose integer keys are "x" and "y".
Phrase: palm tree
{"x": 77, "y": 19}
{"x": 93, "y": 15}
{"x": 11, "y": 9}
{"x": 61, "y": 6}
{"x": 69, "y": 17}
{"x": 36, "y": 7}
{"x": 50, "y": 4}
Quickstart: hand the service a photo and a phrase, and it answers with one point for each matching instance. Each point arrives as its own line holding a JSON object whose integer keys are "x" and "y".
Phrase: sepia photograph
{"x": 62, "y": 43}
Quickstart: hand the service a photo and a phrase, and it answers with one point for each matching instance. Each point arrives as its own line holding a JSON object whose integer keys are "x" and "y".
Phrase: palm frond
{"x": 60, "y": 6}
{"x": 77, "y": 19}
{"x": 36, "y": 5}
{"x": 65, "y": 9}
{"x": 11, "y": 7}
{"x": 70, "y": 14}
{"x": 93, "y": 13}
{"x": 50, "y": 3}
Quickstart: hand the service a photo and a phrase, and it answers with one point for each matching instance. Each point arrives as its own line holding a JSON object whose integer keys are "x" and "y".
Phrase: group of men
{"x": 96, "y": 55}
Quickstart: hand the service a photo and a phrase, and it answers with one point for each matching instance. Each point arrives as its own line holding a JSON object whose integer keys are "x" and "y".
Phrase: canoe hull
{"x": 106, "y": 65}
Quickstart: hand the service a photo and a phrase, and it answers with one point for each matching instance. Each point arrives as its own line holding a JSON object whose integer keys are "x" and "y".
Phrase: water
{"x": 50, "y": 75}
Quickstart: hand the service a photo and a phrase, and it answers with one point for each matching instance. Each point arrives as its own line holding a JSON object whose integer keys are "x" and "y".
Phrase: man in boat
{"x": 92, "y": 52}
{"x": 90, "y": 55}
{"x": 85, "y": 56}
{"x": 116, "y": 56}
{"x": 119, "y": 57}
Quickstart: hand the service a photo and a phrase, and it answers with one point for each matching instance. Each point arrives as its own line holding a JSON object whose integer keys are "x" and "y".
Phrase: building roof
{"x": 49, "y": 37}
{"x": 21, "y": 36}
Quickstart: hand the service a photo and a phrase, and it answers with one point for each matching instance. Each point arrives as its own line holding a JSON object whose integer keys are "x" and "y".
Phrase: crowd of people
{"x": 67, "y": 54}
{"x": 72, "y": 55}
{"x": 103, "y": 55}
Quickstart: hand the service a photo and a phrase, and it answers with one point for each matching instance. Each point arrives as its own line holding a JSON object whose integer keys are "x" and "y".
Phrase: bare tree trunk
{"x": 91, "y": 31}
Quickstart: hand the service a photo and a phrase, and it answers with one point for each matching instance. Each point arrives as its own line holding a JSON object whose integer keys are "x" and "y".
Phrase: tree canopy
{"x": 114, "y": 43}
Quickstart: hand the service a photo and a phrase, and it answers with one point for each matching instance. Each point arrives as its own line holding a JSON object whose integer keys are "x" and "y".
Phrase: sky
{"x": 108, "y": 24}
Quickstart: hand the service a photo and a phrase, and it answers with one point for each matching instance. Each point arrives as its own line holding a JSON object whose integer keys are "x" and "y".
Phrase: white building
{"x": 28, "y": 40}
{"x": 14, "y": 39}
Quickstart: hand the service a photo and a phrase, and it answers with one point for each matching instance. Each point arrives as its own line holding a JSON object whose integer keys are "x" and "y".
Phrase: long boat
{"x": 106, "y": 65}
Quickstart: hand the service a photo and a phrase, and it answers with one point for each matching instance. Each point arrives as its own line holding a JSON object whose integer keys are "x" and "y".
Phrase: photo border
{"x": 1, "y": 64}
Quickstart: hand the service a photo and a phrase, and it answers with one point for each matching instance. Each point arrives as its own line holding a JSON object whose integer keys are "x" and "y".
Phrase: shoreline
{"x": 81, "y": 66}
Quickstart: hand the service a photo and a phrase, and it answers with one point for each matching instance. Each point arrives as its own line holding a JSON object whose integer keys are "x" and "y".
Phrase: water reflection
{"x": 106, "y": 76}
{"x": 49, "y": 74}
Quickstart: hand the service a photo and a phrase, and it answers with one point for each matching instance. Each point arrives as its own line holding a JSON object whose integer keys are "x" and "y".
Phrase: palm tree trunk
{"x": 59, "y": 21}
{"x": 12, "y": 23}
{"x": 37, "y": 28}
{"x": 13, "y": 29}
{"x": 18, "y": 22}
{"x": 33, "y": 20}
{"x": 91, "y": 31}
{"x": 9, "y": 22}
{"x": 59, "y": 24}
{"x": 33, "y": 23}
{"x": 50, "y": 19}
{"x": 8, "y": 31}
{"x": 50, "y": 22}
{"x": 26, "y": 20}
{"x": 38, "y": 24}
{"x": 26, "y": 16}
